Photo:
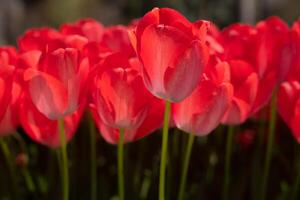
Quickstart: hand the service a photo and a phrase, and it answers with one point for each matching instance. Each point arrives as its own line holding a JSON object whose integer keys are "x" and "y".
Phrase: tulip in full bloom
{"x": 173, "y": 53}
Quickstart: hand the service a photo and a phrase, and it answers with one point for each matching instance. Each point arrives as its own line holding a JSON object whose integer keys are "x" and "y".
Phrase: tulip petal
{"x": 47, "y": 93}
{"x": 160, "y": 45}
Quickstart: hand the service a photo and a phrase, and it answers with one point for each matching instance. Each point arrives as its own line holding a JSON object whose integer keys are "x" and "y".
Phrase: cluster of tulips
{"x": 159, "y": 71}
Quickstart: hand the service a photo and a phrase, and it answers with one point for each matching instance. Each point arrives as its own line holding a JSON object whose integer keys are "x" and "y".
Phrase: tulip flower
{"x": 245, "y": 83}
{"x": 40, "y": 39}
{"x": 43, "y": 130}
{"x": 152, "y": 121}
{"x": 9, "y": 90}
{"x": 56, "y": 84}
{"x": 202, "y": 111}
{"x": 120, "y": 98}
{"x": 10, "y": 120}
{"x": 89, "y": 28}
{"x": 56, "y": 75}
{"x": 288, "y": 94}
{"x": 173, "y": 53}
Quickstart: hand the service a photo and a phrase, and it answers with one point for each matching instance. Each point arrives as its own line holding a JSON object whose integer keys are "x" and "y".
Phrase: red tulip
{"x": 152, "y": 121}
{"x": 89, "y": 28}
{"x": 120, "y": 97}
{"x": 268, "y": 48}
{"x": 41, "y": 39}
{"x": 115, "y": 39}
{"x": 289, "y": 92}
{"x": 173, "y": 53}
{"x": 43, "y": 130}
{"x": 9, "y": 90}
{"x": 245, "y": 83}
{"x": 294, "y": 73}
{"x": 202, "y": 111}
{"x": 288, "y": 103}
{"x": 57, "y": 81}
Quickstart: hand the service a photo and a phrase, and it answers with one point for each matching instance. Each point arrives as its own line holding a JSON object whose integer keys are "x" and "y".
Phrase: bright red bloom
{"x": 89, "y": 28}
{"x": 152, "y": 121}
{"x": 56, "y": 81}
{"x": 202, "y": 111}
{"x": 43, "y": 130}
{"x": 288, "y": 96}
{"x": 55, "y": 71}
{"x": 288, "y": 103}
{"x": 119, "y": 95}
{"x": 268, "y": 48}
{"x": 245, "y": 83}
{"x": 173, "y": 53}
{"x": 10, "y": 120}
{"x": 115, "y": 39}
{"x": 41, "y": 39}
{"x": 294, "y": 73}
{"x": 9, "y": 91}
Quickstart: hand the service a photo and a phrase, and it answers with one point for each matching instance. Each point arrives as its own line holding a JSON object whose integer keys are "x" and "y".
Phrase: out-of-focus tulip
{"x": 267, "y": 47}
{"x": 288, "y": 104}
{"x": 9, "y": 91}
{"x": 245, "y": 83}
{"x": 10, "y": 120}
{"x": 202, "y": 111}
{"x": 43, "y": 130}
{"x": 40, "y": 39}
{"x": 89, "y": 28}
{"x": 173, "y": 53}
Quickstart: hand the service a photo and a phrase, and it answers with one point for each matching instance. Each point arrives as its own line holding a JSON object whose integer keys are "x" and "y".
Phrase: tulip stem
{"x": 186, "y": 166}
{"x": 93, "y": 159}
{"x": 11, "y": 167}
{"x": 269, "y": 149}
{"x": 64, "y": 160}
{"x": 163, "y": 158}
{"x": 228, "y": 161}
{"x": 295, "y": 187}
{"x": 121, "y": 165}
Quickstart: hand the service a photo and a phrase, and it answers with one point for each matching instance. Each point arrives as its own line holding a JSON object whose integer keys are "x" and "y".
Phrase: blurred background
{"x": 141, "y": 167}
{"x": 17, "y": 15}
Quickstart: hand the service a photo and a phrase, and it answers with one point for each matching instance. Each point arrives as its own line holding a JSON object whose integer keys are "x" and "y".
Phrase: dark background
{"x": 18, "y": 15}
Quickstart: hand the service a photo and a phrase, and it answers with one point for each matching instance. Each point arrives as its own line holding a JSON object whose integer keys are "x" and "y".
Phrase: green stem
{"x": 186, "y": 166}
{"x": 93, "y": 159}
{"x": 11, "y": 167}
{"x": 296, "y": 185}
{"x": 228, "y": 161}
{"x": 64, "y": 160}
{"x": 269, "y": 148}
{"x": 121, "y": 165}
{"x": 28, "y": 180}
{"x": 164, "y": 151}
